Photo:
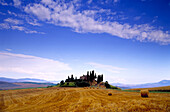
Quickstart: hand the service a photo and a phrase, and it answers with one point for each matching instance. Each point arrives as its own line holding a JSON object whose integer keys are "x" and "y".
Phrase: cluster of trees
{"x": 71, "y": 79}
{"x": 84, "y": 81}
{"x": 83, "y": 84}
{"x": 89, "y": 77}
{"x": 74, "y": 84}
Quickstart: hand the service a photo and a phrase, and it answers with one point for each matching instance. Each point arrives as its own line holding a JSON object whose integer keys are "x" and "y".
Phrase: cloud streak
{"x": 68, "y": 15}
{"x": 108, "y": 68}
{"x": 16, "y": 24}
{"x": 17, "y": 2}
{"x": 33, "y": 66}
{"x": 13, "y": 21}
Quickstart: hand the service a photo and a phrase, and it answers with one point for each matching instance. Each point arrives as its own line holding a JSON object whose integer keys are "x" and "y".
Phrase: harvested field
{"x": 161, "y": 89}
{"x": 79, "y": 99}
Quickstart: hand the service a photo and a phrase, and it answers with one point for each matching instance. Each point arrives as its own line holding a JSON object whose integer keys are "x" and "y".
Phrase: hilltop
{"x": 90, "y": 79}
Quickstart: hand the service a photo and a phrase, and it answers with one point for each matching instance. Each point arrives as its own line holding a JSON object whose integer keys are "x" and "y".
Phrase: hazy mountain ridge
{"x": 146, "y": 85}
{"x": 22, "y": 80}
{"x": 6, "y": 84}
{"x": 27, "y": 80}
{"x": 9, "y": 83}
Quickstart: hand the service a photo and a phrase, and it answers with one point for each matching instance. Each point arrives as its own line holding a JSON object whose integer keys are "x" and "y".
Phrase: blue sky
{"x": 126, "y": 40}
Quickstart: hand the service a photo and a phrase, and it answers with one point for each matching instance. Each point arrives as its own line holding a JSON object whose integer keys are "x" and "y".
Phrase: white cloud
{"x": 12, "y": 13}
{"x": 137, "y": 18}
{"x": 89, "y": 1}
{"x": 33, "y": 22}
{"x": 2, "y": 13}
{"x": 113, "y": 79}
{"x": 31, "y": 66}
{"x": 39, "y": 10}
{"x": 4, "y": 26}
{"x": 67, "y": 15}
{"x": 17, "y": 2}
{"x": 20, "y": 28}
{"x": 9, "y": 49}
{"x": 108, "y": 68}
{"x": 15, "y": 24}
{"x": 47, "y": 2}
{"x": 115, "y": 1}
{"x": 2, "y": 2}
{"x": 13, "y": 21}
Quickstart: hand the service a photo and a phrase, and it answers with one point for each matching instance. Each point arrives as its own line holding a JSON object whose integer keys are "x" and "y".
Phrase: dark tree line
{"x": 88, "y": 78}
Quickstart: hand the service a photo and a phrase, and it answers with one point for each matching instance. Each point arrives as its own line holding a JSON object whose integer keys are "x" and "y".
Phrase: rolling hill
{"x": 9, "y": 83}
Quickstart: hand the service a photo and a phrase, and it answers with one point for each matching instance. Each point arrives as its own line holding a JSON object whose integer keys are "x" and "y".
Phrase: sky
{"x": 126, "y": 40}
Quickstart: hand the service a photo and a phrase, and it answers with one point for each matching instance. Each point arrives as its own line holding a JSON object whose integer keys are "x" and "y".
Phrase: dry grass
{"x": 153, "y": 89}
{"x": 80, "y": 100}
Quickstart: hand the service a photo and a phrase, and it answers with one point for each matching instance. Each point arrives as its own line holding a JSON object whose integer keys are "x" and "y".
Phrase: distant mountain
{"x": 17, "y": 85}
{"x": 10, "y": 83}
{"x": 147, "y": 85}
{"x": 45, "y": 83}
{"x": 22, "y": 80}
{"x": 6, "y": 84}
{"x": 27, "y": 80}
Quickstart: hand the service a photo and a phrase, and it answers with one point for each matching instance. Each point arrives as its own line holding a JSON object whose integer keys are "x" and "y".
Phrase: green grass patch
{"x": 68, "y": 84}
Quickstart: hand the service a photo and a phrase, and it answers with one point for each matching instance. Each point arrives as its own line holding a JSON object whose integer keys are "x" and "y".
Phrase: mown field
{"x": 156, "y": 89}
{"x": 79, "y": 99}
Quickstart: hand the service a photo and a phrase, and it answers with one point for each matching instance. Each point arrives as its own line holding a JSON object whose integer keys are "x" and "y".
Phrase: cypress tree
{"x": 72, "y": 78}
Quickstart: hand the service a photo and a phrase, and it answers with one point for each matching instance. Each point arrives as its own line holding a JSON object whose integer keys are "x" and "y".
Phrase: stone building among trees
{"x": 90, "y": 78}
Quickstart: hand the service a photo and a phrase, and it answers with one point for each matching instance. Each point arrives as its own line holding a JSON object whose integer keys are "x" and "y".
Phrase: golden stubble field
{"x": 79, "y": 100}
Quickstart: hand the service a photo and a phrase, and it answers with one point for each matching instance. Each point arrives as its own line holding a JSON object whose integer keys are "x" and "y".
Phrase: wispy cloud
{"x": 2, "y": 13}
{"x": 2, "y": 2}
{"x": 68, "y": 15}
{"x": 33, "y": 22}
{"x": 9, "y": 49}
{"x": 16, "y": 24}
{"x": 108, "y": 68}
{"x": 12, "y": 13}
{"x": 33, "y": 66}
{"x": 39, "y": 10}
{"x": 4, "y": 26}
{"x": 17, "y": 2}
{"x": 115, "y": 1}
{"x": 89, "y": 1}
{"x": 20, "y": 28}
{"x": 137, "y": 18}
{"x": 13, "y": 21}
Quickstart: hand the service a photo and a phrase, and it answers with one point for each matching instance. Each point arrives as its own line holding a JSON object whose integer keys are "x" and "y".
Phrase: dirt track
{"x": 80, "y": 99}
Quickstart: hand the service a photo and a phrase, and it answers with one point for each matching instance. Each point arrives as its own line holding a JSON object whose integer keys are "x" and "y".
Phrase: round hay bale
{"x": 144, "y": 93}
{"x": 109, "y": 94}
